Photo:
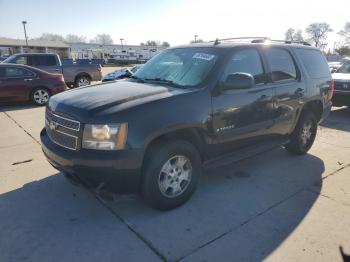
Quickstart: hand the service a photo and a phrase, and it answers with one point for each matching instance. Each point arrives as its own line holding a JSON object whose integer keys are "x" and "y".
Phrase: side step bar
{"x": 244, "y": 153}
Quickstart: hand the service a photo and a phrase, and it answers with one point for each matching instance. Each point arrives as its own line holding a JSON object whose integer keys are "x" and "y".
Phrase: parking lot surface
{"x": 274, "y": 206}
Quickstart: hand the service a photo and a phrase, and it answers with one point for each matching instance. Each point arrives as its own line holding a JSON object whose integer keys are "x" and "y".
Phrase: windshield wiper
{"x": 161, "y": 80}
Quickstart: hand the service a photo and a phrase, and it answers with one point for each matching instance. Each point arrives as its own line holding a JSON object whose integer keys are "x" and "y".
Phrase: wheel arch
{"x": 193, "y": 135}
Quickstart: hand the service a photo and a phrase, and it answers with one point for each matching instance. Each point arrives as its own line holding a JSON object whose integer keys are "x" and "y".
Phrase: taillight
{"x": 332, "y": 88}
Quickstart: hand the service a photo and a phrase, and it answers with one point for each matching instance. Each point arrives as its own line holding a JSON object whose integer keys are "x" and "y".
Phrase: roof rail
{"x": 218, "y": 41}
{"x": 291, "y": 42}
{"x": 259, "y": 39}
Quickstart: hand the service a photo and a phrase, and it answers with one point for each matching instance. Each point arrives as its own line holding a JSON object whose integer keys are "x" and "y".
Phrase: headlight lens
{"x": 105, "y": 137}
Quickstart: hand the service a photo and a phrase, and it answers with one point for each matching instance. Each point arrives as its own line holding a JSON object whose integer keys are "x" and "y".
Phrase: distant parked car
{"x": 121, "y": 73}
{"x": 74, "y": 74}
{"x": 341, "y": 79}
{"x": 20, "y": 83}
{"x": 333, "y": 66}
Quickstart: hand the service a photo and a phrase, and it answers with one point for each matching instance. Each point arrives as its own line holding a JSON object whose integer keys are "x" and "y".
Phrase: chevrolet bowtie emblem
{"x": 52, "y": 125}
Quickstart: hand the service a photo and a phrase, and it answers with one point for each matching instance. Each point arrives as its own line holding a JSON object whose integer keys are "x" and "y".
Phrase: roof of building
{"x": 33, "y": 43}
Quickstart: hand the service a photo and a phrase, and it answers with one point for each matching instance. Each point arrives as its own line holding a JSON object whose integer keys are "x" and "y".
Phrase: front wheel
{"x": 303, "y": 135}
{"x": 171, "y": 174}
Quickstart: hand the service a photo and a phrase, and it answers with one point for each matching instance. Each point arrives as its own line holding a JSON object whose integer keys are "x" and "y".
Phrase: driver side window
{"x": 246, "y": 61}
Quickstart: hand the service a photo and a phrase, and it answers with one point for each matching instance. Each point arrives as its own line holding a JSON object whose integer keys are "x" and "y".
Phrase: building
{"x": 114, "y": 53}
{"x": 9, "y": 46}
{"x": 110, "y": 53}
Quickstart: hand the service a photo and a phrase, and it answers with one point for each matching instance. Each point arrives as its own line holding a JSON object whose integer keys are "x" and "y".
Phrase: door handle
{"x": 28, "y": 79}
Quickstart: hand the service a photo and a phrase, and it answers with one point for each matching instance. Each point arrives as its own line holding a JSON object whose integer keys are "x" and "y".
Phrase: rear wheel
{"x": 303, "y": 135}
{"x": 40, "y": 96}
{"x": 82, "y": 81}
{"x": 171, "y": 174}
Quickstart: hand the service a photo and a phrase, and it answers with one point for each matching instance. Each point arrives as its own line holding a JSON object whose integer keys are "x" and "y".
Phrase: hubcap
{"x": 306, "y": 133}
{"x": 83, "y": 82}
{"x": 41, "y": 96}
{"x": 175, "y": 176}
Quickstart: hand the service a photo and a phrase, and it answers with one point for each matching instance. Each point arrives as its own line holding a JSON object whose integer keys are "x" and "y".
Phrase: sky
{"x": 175, "y": 21}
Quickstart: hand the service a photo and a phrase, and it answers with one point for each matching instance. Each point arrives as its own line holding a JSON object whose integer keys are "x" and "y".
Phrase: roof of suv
{"x": 230, "y": 44}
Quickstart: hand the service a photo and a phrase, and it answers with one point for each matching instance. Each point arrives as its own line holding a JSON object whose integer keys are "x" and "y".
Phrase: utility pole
{"x": 121, "y": 42}
{"x": 195, "y": 38}
{"x": 25, "y": 32}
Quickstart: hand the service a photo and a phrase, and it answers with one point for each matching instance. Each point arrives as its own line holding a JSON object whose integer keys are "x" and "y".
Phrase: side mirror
{"x": 238, "y": 81}
{"x": 333, "y": 70}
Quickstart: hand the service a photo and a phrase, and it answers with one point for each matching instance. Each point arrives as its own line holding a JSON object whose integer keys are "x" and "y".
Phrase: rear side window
{"x": 314, "y": 62}
{"x": 44, "y": 60}
{"x": 281, "y": 64}
{"x": 17, "y": 72}
{"x": 246, "y": 61}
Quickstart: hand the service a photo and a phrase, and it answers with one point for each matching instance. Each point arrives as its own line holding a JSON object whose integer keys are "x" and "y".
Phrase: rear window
{"x": 314, "y": 62}
{"x": 44, "y": 60}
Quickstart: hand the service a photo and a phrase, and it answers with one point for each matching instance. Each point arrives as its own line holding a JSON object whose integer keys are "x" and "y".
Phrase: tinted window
{"x": 21, "y": 60}
{"x": 246, "y": 61}
{"x": 314, "y": 62}
{"x": 281, "y": 64}
{"x": 44, "y": 60}
{"x": 17, "y": 72}
{"x": 2, "y": 72}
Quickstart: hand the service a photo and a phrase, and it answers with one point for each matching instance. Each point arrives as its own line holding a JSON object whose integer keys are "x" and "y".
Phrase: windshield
{"x": 181, "y": 67}
{"x": 9, "y": 59}
{"x": 345, "y": 68}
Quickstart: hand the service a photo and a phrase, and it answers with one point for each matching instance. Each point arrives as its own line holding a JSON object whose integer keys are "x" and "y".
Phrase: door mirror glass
{"x": 238, "y": 81}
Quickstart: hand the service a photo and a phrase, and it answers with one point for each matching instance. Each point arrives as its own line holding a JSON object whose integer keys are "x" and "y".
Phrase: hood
{"x": 341, "y": 77}
{"x": 94, "y": 99}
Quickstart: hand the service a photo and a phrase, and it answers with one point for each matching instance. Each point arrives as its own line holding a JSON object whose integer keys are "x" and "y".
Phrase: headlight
{"x": 105, "y": 137}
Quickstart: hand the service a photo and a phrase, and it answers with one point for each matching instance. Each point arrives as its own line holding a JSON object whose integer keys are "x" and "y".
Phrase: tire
{"x": 303, "y": 135}
{"x": 171, "y": 174}
{"x": 82, "y": 81}
{"x": 40, "y": 96}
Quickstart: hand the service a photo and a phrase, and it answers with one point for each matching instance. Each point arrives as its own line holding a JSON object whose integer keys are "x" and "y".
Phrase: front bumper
{"x": 120, "y": 171}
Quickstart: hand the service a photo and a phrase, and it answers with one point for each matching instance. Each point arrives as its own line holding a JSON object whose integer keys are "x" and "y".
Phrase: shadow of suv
{"x": 190, "y": 107}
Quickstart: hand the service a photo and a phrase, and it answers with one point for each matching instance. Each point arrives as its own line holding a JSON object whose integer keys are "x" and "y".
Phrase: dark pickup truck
{"x": 75, "y": 75}
{"x": 190, "y": 107}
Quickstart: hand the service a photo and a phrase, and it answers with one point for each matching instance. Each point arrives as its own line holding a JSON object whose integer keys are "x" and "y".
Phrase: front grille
{"x": 61, "y": 130}
{"x": 342, "y": 86}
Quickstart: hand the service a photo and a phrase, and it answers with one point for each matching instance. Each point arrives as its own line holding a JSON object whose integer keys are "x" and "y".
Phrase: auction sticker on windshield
{"x": 203, "y": 56}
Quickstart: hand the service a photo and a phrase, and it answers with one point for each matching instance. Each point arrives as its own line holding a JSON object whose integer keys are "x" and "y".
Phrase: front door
{"x": 242, "y": 116}
{"x": 15, "y": 84}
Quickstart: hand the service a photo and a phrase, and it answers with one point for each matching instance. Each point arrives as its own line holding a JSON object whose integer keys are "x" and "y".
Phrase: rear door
{"x": 289, "y": 90}
{"x": 16, "y": 84}
{"x": 244, "y": 115}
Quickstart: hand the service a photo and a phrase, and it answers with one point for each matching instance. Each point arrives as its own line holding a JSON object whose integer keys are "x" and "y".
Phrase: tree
{"x": 318, "y": 33}
{"x": 71, "y": 38}
{"x": 344, "y": 50}
{"x": 50, "y": 37}
{"x": 346, "y": 33}
{"x": 165, "y": 44}
{"x": 102, "y": 39}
